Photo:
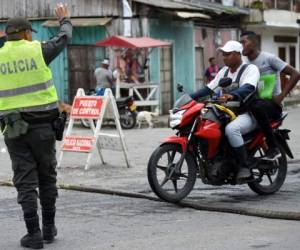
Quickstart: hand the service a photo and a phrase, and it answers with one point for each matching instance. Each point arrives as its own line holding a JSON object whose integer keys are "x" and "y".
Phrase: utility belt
{"x": 13, "y": 125}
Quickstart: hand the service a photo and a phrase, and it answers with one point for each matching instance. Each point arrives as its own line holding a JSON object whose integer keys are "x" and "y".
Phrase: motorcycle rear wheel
{"x": 127, "y": 119}
{"x": 269, "y": 181}
{"x": 171, "y": 187}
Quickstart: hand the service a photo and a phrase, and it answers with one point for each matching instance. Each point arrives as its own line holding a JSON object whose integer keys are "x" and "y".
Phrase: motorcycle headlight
{"x": 175, "y": 119}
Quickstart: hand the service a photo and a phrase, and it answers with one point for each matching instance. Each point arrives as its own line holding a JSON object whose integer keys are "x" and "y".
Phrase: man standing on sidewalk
{"x": 211, "y": 71}
{"x": 29, "y": 106}
{"x": 104, "y": 77}
{"x": 268, "y": 106}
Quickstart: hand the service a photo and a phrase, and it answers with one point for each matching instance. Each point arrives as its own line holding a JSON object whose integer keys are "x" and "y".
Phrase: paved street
{"x": 95, "y": 221}
{"x": 92, "y": 221}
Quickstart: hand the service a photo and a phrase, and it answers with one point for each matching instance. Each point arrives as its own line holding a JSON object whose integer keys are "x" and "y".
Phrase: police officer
{"x": 29, "y": 105}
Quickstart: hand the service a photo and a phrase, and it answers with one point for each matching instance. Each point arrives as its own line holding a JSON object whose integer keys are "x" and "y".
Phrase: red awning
{"x": 2, "y": 33}
{"x": 128, "y": 42}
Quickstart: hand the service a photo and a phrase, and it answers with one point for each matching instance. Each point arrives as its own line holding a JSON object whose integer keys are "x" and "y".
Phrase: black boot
{"x": 244, "y": 171}
{"x": 49, "y": 229}
{"x": 34, "y": 238}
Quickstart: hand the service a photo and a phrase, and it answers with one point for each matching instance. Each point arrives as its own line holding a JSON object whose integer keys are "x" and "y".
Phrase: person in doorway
{"x": 29, "y": 108}
{"x": 104, "y": 78}
{"x": 269, "y": 104}
{"x": 211, "y": 71}
{"x": 245, "y": 78}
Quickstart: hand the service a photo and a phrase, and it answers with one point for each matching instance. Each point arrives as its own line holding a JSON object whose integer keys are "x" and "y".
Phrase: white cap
{"x": 232, "y": 46}
{"x": 105, "y": 61}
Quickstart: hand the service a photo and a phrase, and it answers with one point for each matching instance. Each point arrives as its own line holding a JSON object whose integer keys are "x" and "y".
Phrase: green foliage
{"x": 257, "y": 5}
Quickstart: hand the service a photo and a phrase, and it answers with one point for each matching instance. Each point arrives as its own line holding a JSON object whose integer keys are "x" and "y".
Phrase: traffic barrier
{"x": 94, "y": 108}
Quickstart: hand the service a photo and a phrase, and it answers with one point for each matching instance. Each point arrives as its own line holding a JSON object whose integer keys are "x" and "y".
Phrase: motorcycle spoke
{"x": 270, "y": 179}
{"x": 183, "y": 175}
{"x": 165, "y": 180}
{"x": 175, "y": 185}
{"x": 162, "y": 168}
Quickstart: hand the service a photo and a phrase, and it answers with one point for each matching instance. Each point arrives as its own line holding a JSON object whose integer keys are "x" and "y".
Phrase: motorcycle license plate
{"x": 133, "y": 107}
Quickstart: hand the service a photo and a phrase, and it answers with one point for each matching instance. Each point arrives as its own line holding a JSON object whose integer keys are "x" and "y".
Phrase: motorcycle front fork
{"x": 177, "y": 168}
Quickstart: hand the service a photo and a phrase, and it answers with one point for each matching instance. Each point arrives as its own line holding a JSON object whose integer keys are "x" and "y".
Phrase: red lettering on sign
{"x": 86, "y": 107}
{"x": 78, "y": 143}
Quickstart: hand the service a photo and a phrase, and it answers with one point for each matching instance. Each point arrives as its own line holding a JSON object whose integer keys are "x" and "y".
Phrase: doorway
{"x": 199, "y": 64}
{"x": 287, "y": 53}
{"x": 166, "y": 79}
{"x": 82, "y": 61}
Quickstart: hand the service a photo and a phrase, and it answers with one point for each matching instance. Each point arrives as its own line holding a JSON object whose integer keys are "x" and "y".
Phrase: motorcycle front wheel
{"x": 166, "y": 183}
{"x": 269, "y": 176}
{"x": 127, "y": 119}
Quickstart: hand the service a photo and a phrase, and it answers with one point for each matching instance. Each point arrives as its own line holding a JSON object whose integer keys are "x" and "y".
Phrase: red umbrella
{"x": 128, "y": 42}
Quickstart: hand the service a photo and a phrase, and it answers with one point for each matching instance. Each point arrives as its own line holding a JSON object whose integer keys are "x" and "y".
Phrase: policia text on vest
{"x": 26, "y": 80}
{"x": 14, "y": 67}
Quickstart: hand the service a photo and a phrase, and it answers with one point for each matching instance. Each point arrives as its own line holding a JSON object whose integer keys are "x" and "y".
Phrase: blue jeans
{"x": 100, "y": 91}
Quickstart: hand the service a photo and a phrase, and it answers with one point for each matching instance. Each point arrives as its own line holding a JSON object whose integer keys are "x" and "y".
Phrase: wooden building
{"x": 195, "y": 29}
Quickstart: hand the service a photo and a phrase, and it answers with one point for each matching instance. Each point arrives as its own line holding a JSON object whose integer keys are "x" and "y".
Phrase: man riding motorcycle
{"x": 245, "y": 78}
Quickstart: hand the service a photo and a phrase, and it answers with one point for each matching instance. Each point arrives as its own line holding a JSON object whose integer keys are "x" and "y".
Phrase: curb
{"x": 282, "y": 215}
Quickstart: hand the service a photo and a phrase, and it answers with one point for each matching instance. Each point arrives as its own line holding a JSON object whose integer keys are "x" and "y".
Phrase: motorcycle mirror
{"x": 225, "y": 82}
{"x": 179, "y": 87}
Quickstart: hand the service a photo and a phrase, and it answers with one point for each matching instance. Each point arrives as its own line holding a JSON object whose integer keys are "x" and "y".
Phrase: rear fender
{"x": 282, "y": 135}
{"x": 182, "y": 141}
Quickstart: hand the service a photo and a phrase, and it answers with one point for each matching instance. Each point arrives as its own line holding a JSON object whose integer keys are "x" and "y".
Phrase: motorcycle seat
{"x": 251, "y": 134}
{"x": 123, "y": 100}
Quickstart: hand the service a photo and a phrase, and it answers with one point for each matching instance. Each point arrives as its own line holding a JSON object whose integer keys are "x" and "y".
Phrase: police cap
{"x": 18, "y": 24}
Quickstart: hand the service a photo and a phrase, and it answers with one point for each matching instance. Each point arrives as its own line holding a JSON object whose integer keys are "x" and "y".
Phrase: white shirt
{"x": 250, "y": 76}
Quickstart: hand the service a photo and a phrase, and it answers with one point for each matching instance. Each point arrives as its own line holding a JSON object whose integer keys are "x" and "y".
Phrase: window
{"x": 269, "y": 4}
{"x": 293, "y": 56}
{"x": 279, "y": 4}
{"x": 284, "y": 4}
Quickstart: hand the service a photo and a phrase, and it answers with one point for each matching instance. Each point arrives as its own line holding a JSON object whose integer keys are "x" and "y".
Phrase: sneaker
{"x": 272, "y": 154}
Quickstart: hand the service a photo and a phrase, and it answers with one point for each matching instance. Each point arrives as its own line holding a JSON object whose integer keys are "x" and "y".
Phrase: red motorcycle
{"x": 200, "y": 149}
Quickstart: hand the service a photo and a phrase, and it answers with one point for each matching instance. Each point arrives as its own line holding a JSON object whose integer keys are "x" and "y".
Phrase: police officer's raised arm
{"x": 55, "y": 45}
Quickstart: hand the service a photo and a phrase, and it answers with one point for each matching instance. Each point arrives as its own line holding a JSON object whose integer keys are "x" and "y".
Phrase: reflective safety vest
{"x": 25, "y": 79}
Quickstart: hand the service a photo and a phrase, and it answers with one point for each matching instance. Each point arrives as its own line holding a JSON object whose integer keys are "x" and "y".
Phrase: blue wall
{"x": 59, "y": 66}
{"x": 181, "y": 34}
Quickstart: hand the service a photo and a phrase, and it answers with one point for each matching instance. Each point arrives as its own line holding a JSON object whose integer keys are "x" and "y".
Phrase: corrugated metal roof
{"x": 192, "y": 15}
{"x": 194, "y": 5}
{"x": 167, "y": 4}
{"x": 80, "y": 22}
{"x": 215, "y": 7}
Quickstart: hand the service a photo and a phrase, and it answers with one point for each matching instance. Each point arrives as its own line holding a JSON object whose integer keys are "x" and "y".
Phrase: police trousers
{"x": 33, "y": 157}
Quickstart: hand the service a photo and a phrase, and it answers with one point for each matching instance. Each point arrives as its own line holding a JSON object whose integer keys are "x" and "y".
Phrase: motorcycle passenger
{"x": 245, "y": 78}
{"x": 268, "y": 106}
